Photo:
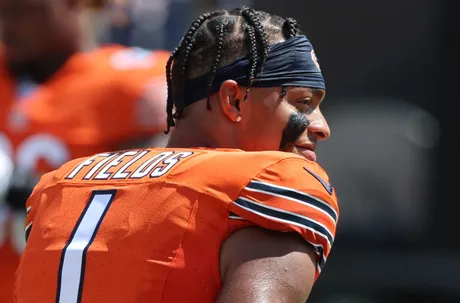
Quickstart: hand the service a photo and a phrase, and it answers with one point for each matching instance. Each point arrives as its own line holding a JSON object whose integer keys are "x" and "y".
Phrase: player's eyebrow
{"x": 316, "y": 92}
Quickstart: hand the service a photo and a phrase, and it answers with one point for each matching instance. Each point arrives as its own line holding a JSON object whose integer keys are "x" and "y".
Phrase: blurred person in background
{"x": 58, "y": 103}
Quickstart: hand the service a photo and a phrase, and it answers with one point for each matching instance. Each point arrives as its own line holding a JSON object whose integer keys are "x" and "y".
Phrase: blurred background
{"x": 391, "y": 69}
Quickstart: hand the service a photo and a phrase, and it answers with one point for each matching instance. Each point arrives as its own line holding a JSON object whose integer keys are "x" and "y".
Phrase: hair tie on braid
{"x": 215, "y": 65}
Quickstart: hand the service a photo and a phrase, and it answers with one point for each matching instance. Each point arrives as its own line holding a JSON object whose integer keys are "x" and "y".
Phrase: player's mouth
{"x": 307, "y": 151}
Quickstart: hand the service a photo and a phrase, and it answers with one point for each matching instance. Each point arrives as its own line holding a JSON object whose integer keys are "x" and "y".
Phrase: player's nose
{"x": 319, "y": 127}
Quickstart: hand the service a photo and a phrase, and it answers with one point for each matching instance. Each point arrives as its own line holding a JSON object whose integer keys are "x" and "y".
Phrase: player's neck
{"x": 188, "y": 136}
{"x": 201, "y": 130}
{"x": 178, "y": 140}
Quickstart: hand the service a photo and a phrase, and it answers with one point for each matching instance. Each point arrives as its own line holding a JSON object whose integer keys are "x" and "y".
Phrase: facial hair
{"x": 295, "y": 127}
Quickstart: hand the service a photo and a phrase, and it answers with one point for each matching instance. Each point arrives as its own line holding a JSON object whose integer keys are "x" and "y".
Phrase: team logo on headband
{"x": 315, "y": 59}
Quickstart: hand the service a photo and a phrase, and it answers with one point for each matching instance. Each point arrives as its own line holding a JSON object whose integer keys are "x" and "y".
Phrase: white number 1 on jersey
{"x": 73, "y": 259}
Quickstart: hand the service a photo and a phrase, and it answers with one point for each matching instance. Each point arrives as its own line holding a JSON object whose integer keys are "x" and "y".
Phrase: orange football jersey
{"x": 147, "y": 225}
{"x": 97, "y": 101}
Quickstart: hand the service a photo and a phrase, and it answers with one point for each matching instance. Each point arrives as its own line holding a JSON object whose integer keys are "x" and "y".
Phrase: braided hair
{"x": 217, "y": 39}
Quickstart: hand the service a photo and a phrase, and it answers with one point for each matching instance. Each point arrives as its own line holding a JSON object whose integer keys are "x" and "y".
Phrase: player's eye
{"x": 304, "y": 104}
{"x": 307, "y": 101}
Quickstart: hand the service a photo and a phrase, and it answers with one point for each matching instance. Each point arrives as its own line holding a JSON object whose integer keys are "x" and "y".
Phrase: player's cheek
{"x": 255, "y": 135}
{"x": 265, "y": 126}
{"x": 272, "y": 135}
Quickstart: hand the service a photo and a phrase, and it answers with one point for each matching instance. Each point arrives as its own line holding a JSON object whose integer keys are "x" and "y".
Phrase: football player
{"x": 234, "y": 210}
{"x": 57, "y": 103}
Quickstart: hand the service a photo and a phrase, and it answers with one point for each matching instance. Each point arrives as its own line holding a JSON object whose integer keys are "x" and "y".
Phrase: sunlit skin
{"x": 272, "y": 266}
{"x": 256, "y": 124}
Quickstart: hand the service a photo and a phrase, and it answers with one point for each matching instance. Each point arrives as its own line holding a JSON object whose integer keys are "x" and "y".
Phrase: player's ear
{"x": 229, "y": 98}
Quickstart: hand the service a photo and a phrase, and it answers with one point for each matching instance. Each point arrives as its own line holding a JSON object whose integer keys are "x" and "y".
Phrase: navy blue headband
{"x": 290, "y": 63}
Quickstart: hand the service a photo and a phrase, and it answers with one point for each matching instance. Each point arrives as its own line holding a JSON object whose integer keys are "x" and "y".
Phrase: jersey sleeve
{"x": 137, "y": 109}
{"x": 33, "y": 202}
{"x": 293, "y": 195}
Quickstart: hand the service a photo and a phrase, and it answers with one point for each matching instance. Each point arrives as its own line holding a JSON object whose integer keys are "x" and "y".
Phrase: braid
{"x": 189, "y": 38}
{"x": 254, "y": 58}
{"x": 215, "y": 65}
{"x": 187, "y": 50}
{"x": 187, "y": 42}
{"x": 250, "y": 15}
{"x": 290, "y": 28}
{"x": 255, "y": 30}
{"x": 170, "y": 104}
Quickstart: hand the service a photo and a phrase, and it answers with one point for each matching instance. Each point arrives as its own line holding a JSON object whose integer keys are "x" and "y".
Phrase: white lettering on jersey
{"x": 110, "y": 167}
{"x": 142, "y": 171}
{"x": 171, "y": 161}
{"x": 103, "y": 175}
{"x": 122, "y": 173}
{"x": 99, "y": 165}
{"x": 83, "y": 164}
